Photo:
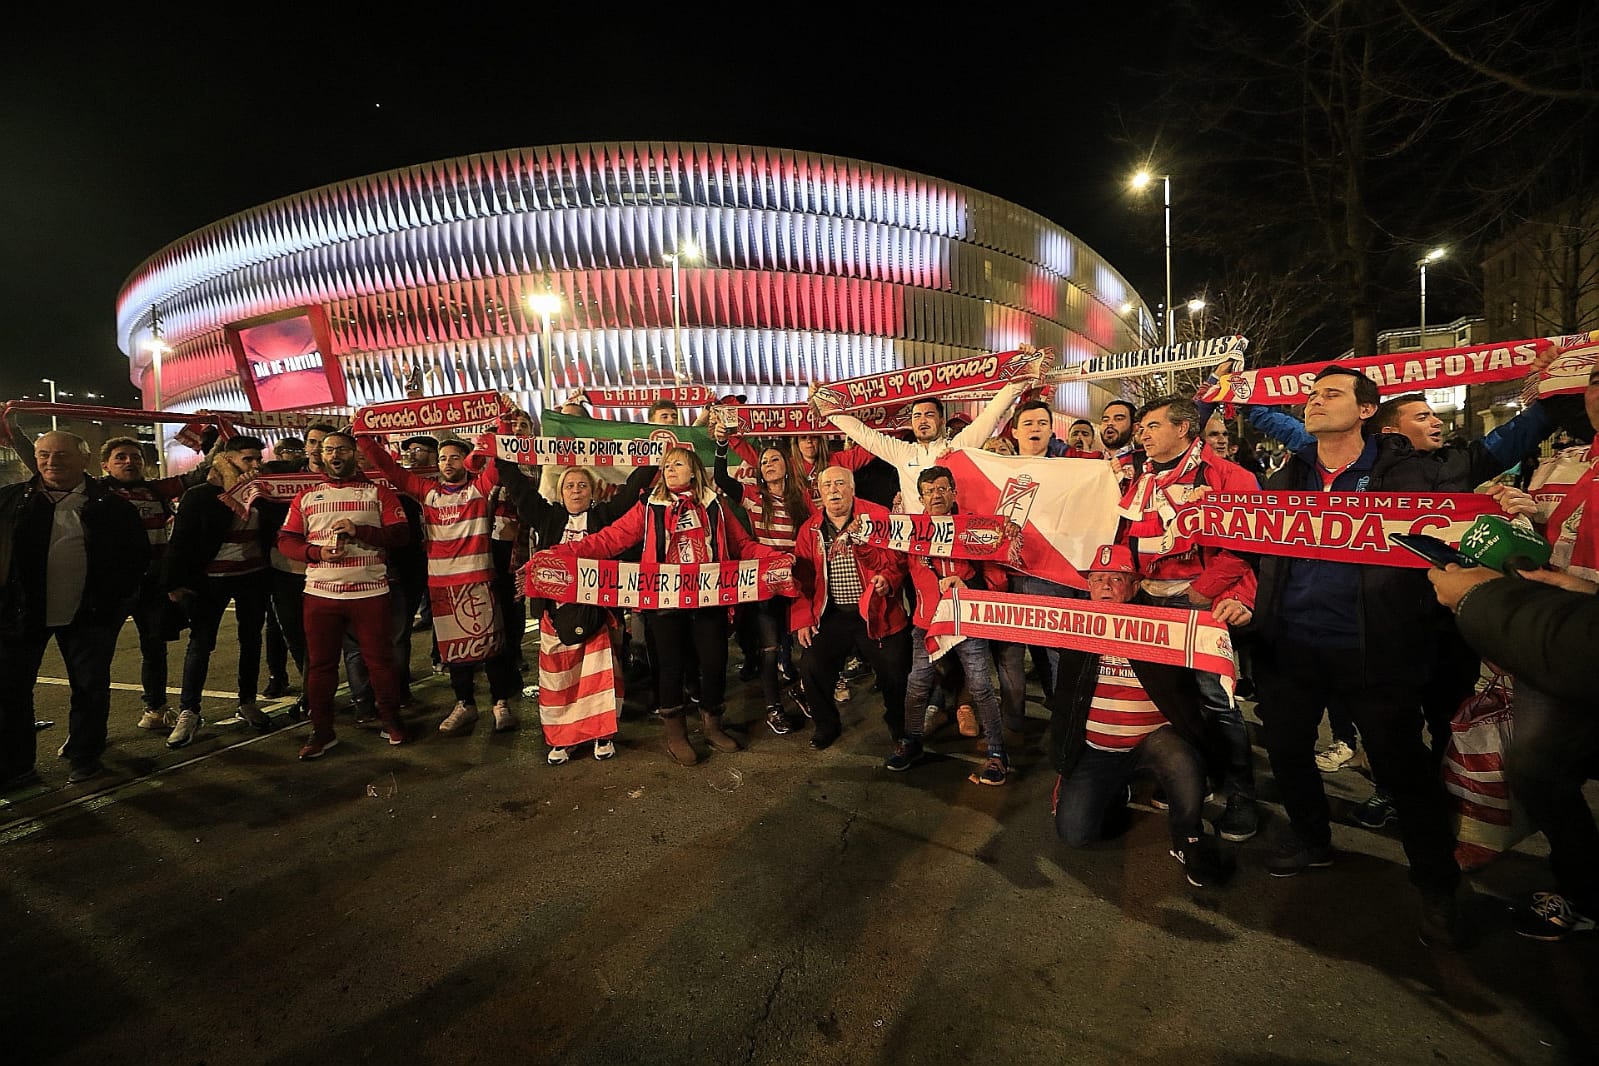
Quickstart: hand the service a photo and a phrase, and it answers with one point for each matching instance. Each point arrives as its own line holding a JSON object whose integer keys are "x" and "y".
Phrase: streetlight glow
{"x": 1421, "y": 270}
{"x": 1195, "y": 306}
{"x": 544, "y": 304}
{"x": 686, "y": 249}
{"x": 51, "y": 382}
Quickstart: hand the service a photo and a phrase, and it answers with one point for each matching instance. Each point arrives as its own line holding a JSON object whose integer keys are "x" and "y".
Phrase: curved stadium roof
{"x": 812, "y": 268}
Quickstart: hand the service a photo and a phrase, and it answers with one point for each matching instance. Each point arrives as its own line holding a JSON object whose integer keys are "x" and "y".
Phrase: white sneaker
{"x": 841, "y": 691}
{"x": 460, "y": 720}
{"x": 604, "y": 749}
{"x": 1332, "y": 759}
{"x": 188, "y": 724}
{"x": 557, "y": 756}
{"x": 158, "y": 719}
{"x": 505, "y": 719}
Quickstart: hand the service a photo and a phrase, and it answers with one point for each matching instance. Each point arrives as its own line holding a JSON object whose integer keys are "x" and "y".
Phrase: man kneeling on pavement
{"x": 1112, "y": 719}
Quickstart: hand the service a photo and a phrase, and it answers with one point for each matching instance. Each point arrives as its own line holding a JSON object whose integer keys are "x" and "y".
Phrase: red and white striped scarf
{"x": 1573, "y": 524}
{"x": 1151, "y": 510}
{"x": 687, "y": 530}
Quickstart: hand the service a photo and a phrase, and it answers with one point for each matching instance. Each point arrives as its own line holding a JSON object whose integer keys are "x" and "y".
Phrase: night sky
{"x": 122, "y": 135}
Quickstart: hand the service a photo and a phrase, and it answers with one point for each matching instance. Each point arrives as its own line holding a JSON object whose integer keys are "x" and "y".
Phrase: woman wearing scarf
{"x": 777, "y": 505}
{"x": 580, "y": 689}
{"x": 682, "y": 521}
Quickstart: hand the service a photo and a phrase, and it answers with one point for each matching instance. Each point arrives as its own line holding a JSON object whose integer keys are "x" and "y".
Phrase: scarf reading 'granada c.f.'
{"x": 1344, "y": 527}
{"x": 1167, "y": 635}
{"x": 983, "y": 373}
{"x": 649, "y": 586}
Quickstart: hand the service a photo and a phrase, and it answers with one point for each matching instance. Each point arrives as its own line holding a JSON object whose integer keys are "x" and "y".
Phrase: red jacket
{"x": 926, "y": 572}
{"x": 646, "y": 524}
{"x": 1213, "y": 572}
{"x": 884, "y": 615}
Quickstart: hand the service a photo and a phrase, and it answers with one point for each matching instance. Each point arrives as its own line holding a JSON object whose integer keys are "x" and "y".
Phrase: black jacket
{"x": 115, "y": 542}
{"x": 1173, "y": 689}
{"x": 1543, "y": 636}
{"x": 547, "y": 522}
{"x": 1400, "y": 622}
{"x": 201, "y": 525}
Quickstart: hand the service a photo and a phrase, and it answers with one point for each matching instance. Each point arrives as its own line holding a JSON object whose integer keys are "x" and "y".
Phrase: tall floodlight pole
{"x": 684, "y": 249}
{"x": 1140, "y": 181}
{"x": 1421, "y": 268}
{"x": 157, "y": 349}
{"x": 544, "y": 304}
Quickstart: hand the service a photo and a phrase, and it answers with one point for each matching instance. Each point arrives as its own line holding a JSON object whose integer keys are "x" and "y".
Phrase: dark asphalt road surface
{"x": 456, "y": 900}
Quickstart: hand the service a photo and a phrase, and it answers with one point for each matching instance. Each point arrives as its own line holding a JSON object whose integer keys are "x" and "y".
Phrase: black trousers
{"x": 842, "y": 633}
{"x": 87, "y": 651}
{"x": 1296, "y": 682}
{"x": 684, "y": 641}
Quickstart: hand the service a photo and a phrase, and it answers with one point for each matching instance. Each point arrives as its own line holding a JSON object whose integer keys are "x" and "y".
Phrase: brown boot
{"x": 711, "y": 726}
{"x": 677, "y": 745}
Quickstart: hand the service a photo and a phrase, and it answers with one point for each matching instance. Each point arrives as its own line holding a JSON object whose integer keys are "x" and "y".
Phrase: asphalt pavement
{"x": 457, "y": 900}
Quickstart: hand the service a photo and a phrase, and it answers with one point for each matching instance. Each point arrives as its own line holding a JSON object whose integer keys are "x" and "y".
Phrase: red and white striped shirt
{"x": 1121, "y": 713}
{"x": 363, "y": 570}
{"x": 240, "y": 552}
{"x": 154, "y": 512}
{"x": 455, "y": 520}
{"x": 777, "y": 529}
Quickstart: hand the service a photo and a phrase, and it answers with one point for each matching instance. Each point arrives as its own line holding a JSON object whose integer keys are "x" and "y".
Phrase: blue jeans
{"x": 1095, "y": 790}
{"x": 1032, "y": 585}
{"x": 1010, "y": 662}
{"x": 771, "y": 626}
{"x": 977, "y": 661}
{"x": 86, "y": 650}
{"x": 1240, "y": 777}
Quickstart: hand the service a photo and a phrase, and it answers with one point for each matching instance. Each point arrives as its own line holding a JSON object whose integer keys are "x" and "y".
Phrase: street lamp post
{"x": 1421, "y": 267}
{"x": 1141, "y": 180}
{"x": 157, "y": 348}
{"x": 689, "y": 250}
{"x": 545, "y": 304}
{"x": 51, "y": 382}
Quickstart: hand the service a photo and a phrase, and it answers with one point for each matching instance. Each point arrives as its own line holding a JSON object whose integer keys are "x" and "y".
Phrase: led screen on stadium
{"x": 283, "y": 363}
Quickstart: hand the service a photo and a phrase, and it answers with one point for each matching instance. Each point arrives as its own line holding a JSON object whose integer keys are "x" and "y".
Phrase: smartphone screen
{"x": 1435, "y": 551}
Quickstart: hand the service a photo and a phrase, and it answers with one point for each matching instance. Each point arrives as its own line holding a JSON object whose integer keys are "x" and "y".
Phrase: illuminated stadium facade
{"x": 811, "y": 268}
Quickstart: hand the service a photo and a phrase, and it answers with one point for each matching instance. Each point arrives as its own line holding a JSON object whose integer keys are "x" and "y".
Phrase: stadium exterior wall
{"x": 812, "y": 268}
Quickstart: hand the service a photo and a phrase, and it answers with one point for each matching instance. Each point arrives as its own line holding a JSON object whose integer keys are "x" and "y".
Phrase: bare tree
{"x": 1324, "y": 143}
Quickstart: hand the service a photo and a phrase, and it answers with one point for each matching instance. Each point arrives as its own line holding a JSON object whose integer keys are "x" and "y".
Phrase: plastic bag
{"x": 1487, "y": 821}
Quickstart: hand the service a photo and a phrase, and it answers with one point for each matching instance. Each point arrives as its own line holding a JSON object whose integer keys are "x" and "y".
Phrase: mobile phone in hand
{"x": 1437, "y": 552}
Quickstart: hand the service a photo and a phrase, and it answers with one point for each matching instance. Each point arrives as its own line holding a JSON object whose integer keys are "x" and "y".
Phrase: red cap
{"x": 1113, "y": 558}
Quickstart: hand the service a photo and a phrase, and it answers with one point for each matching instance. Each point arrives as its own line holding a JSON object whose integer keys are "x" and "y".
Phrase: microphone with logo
{"x": 1499, "y": 544}
{"x": 1491, "y": 541}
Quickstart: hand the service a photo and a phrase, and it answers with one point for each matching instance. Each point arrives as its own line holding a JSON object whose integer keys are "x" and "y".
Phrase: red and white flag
{"x": 1066, "y": 508}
